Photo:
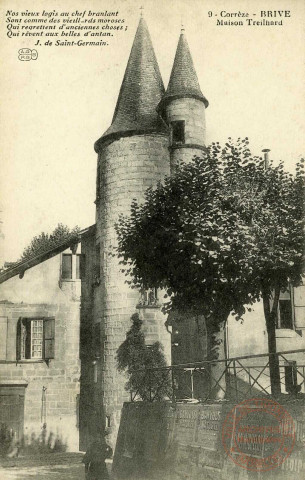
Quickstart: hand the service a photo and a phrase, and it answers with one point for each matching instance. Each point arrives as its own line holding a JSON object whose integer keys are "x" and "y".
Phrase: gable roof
{"x": 19, "y": 268}
{"x": 141, "y": 91}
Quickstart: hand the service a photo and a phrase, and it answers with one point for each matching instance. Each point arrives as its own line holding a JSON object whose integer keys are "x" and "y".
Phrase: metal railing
{"x": 240, "y": 377}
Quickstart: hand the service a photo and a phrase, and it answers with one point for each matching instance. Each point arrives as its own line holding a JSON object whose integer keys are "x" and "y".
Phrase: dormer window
{"x": 177, "y": 132}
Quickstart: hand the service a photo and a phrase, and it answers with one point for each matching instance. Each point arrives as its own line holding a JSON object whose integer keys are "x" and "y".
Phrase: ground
{"x": 54, "y": 466}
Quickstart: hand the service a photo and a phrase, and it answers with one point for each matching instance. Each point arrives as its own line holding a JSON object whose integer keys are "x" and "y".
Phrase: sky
{"x": 55, "y": 108}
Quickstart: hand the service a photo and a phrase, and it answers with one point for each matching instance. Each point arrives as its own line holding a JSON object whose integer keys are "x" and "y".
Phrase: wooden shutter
{"x": 18, "y": 340}
{"x": 49, "y": 338}
{"x": 299, "y": 307}
{"x": 80, "y": 266}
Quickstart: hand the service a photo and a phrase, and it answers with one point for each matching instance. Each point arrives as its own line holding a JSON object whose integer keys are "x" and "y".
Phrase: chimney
{"x": 266, "y": 157}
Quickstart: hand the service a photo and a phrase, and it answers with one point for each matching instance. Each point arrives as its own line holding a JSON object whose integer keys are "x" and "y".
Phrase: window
{"x": 36, "y": 332}
{"x": 285, "y": 314}
{"x": 35, "y": 338}
{"x": 80, "y": 266}
{"x": 178, "y": 132}
{"x": 72, "y": 266}
{"x": 149, "y": 297}
{"x": 66, "y": 271}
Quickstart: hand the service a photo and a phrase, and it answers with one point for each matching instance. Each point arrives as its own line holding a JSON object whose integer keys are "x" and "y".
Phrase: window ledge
{"x": 63, "y": 280}
{"x": 13, "y": 383}
{"x": 150, "y": 305}
{"x": 285, "y": 333}
{"x": 31, "y": 360}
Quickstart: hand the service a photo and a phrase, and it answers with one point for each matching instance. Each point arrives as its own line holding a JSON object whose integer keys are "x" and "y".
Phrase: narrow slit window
{"x": 178, "y": 136}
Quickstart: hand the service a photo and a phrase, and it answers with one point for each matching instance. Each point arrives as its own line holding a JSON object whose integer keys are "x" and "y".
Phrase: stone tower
{"x": 183, "y": 107}
{"x": 133, "y": 154}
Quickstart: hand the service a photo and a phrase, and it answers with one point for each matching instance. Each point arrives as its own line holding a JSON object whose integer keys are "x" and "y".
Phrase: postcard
{"x": 101, "y": 100}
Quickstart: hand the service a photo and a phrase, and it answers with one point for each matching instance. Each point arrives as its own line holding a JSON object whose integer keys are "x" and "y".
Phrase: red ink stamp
{"x": 258, "y": 434}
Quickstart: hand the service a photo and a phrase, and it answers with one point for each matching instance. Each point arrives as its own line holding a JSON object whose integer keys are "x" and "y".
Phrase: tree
{"x": 218, "y": 235}
{"x": 134, "y": 357}
{"x": 44, "y": 241}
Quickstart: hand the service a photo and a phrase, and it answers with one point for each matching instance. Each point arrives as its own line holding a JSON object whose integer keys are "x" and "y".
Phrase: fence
{"x": 244, "y": 376}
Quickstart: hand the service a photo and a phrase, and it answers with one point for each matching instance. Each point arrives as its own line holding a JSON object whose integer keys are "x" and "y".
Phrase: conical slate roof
{"x": 141, "y": 91}
{"x": 183, "y": 81}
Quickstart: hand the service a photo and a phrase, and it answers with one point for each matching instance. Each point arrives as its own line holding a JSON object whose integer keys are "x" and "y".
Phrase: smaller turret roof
{"x": 183, "y": 81}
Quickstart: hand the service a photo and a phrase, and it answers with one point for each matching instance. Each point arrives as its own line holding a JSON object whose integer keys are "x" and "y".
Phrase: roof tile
{"x": 183, "y": 80}
{"x": 141, "y": 91}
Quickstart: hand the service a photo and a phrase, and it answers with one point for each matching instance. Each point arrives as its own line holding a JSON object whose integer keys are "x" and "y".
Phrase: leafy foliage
{"x": 44, "y": 242}
{"x": 134, "y": 357}
{"x": 221, "y": 233}
{"x": 217, "y": 232}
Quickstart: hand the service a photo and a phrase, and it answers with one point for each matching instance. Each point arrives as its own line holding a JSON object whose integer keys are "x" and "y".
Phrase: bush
{"x": 138, "y": 361}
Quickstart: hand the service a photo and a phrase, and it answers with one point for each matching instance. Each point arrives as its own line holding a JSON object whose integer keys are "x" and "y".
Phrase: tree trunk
{"x": 216, "y": 351}
{"x": 270, "y": 318}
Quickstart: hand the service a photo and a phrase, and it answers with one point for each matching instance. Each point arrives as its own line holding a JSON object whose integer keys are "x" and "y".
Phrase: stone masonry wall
{"x": 128, "y": 167}
{"x": 192, "y": 111}
{"x": 154, "y": 330}
{"x": 182, "y": 154}
{"x": 60, "y": 377}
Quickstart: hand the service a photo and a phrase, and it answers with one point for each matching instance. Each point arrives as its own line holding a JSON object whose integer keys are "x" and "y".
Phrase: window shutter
{"x": 299, "y": 307}
{"x": 80, "y": 266}
{"x": 49, "y": 338}
{"x": 18, "y": 340}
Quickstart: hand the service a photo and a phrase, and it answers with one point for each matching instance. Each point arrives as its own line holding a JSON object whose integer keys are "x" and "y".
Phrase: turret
{"x": 183, "y": 107}
{"x": 132, "y": 155}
